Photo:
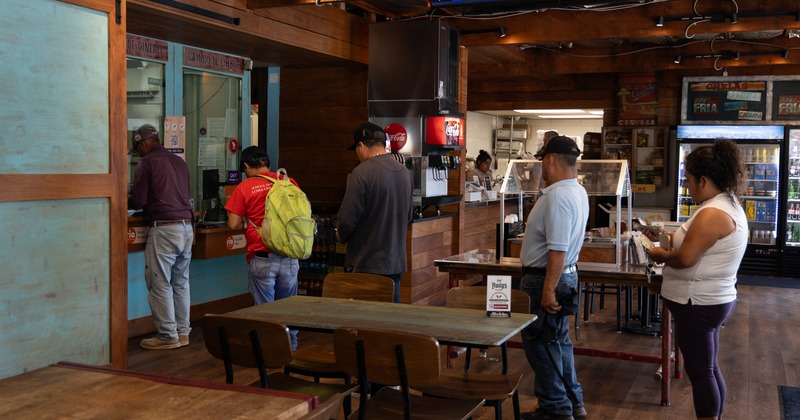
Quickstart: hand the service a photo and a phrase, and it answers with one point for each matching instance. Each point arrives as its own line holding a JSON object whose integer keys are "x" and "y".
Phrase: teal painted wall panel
{"x": 54, "y": 288}
{"x": 54, "y": 89}
{"x": 209, "y": 280}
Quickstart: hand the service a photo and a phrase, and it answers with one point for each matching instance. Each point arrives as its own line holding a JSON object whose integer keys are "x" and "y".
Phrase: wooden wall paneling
{"x": 480, "y": 225}
{"x": 428, "y": 240}
{"x": 307, "y": 36}
{"x": 320, "y": 108}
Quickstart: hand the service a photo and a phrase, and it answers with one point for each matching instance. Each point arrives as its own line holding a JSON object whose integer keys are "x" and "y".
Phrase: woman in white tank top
{"x": 700, "y": 269}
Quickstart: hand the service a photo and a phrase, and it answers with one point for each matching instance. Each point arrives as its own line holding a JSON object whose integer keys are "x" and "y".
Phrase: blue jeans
{"x": 166, "y": 272}
{"x": 553, "y": 362}
{"x": 273, "y": 278}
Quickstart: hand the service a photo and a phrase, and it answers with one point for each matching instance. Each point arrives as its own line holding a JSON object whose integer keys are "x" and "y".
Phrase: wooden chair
{"x": 395, "y": 358}
{"x": 317, "y": 360}
{"x": 495, "y": 389}
{"x": 329, "y": 410}
{"x": 263, "y": 345}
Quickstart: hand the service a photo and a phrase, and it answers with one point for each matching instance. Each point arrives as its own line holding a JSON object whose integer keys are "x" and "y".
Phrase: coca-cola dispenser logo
{"x": 397, "y": 136}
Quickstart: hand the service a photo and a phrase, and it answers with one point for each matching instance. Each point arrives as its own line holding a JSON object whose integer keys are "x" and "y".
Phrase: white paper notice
{"x": 216, "y": 127}
{"x": 207, "y": 152}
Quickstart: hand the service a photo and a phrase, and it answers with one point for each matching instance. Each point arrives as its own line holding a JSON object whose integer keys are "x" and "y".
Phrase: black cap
{"x": 562, "y": 145}
{"x": 141, "y": 134}
{"x": 251, "y": 155}
{"x": 365, "y": 132}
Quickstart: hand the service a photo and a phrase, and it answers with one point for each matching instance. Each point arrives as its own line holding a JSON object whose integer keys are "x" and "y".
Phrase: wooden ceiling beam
{"x": 631, "y": 23}
{"x": 265, "y": 4}
{"x": 582, "y": 60}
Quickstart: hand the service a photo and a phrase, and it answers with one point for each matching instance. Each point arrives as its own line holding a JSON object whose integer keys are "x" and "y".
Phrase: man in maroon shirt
{"x": 161, "y": 188}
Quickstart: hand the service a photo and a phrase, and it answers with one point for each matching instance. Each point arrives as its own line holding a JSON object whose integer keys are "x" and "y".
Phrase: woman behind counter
{"x": 699, "y": 285}
{"x": 481, "y": 170}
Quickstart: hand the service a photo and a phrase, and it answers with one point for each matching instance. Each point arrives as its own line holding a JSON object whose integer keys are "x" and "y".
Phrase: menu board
{"x": 786, "y": 100}
{"x": 726, "y": 100}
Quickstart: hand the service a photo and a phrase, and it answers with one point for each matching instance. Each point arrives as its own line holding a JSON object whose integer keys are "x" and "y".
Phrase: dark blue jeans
{"x": 548, "y": 349}
{"x": 697, "y": 332}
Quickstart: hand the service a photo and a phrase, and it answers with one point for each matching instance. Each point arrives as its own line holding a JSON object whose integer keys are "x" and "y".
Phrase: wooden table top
{"x": 448, "y": 325}
{"x": 82, "y": 391}
{"x": 482, "y": 261}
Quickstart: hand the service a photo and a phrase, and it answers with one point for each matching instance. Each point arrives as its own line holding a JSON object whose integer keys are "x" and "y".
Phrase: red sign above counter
{"x": 213, "y": 61}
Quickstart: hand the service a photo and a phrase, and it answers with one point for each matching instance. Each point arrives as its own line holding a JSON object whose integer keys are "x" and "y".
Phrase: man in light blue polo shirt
{"x": 553, "y": 239}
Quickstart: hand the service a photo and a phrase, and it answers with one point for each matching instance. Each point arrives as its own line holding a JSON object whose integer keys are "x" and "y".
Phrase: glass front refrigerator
{"x": 761, "y": 195}
{"x": 790, "y": 218}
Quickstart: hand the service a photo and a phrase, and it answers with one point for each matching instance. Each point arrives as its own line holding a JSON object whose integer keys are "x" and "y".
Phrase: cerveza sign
{"x": 212, "y": 61}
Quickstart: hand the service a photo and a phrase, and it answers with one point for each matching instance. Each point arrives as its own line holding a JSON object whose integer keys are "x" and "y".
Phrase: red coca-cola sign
{"x": 397, "y": 136}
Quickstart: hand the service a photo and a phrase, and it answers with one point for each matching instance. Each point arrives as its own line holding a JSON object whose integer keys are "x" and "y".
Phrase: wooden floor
{"x": 760, "y": 350}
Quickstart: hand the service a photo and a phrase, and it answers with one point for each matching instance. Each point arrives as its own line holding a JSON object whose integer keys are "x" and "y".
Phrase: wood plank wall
{"x": 480, "y": 224}
{"x": 428, "y": 240}
{"x": 319, "y": 109}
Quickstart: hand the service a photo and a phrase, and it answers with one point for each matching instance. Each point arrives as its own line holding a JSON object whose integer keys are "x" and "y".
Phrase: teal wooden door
{"x": 62, "y": 175}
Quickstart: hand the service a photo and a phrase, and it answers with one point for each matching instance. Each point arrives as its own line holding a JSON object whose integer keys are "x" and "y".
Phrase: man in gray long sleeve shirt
{"x": 376, "y": 209}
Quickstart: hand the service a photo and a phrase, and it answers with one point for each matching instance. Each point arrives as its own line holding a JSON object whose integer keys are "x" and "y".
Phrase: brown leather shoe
{"x": 184, "y": 340}
{"x": 155, "y": 343}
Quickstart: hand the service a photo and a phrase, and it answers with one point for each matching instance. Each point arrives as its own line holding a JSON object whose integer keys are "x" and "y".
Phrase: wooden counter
{"x": 137, "y": 233}
{"x": 209, "y": 242}
{"x": 218, "y": 242}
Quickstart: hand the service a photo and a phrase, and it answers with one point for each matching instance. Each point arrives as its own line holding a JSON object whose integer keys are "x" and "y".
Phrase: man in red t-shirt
{"x": 271, "y": 276}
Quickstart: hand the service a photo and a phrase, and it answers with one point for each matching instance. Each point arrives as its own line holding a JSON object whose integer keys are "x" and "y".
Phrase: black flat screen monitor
{"x": 211, "y": 184}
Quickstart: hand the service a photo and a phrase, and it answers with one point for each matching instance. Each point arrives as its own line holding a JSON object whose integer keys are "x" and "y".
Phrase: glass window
{"x": 212, "y": 105}
{"x": 145, "y": 86}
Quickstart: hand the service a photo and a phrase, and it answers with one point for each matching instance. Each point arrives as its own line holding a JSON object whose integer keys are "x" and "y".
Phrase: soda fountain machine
{"x": 424, "y": 144}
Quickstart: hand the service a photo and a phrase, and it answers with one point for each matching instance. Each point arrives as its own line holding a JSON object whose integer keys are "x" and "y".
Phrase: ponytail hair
{"x": 721, "y": 163}
{"x": 483, "y": 156}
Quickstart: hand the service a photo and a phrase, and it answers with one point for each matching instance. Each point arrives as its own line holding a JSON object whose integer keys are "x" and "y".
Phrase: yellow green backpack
{"x": 288, "y": 228}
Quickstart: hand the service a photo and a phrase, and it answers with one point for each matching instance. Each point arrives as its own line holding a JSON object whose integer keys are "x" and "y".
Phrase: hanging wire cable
{"x": 227, "y": 79}
{"x": 686, "y": 32}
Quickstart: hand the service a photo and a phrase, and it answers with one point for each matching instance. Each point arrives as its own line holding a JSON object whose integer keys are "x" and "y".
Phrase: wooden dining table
{"x": 465, "y": 327}
{"x": 71, "y": 390}
{"x": 484, "y": 262}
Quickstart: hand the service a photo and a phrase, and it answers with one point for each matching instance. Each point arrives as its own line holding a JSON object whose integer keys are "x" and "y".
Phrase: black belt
{"x": 262, "y": 254}
{"x": 540, "y": 271}
{"x": 170, "y": 222}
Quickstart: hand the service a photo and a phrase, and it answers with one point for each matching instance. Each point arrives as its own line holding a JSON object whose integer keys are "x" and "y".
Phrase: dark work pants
{"x": 697, "y": 332}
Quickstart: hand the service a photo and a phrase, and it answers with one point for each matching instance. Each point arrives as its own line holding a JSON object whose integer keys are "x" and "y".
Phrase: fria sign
{"x": 705, "y": 105}
{"x": 789, "y": 105}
